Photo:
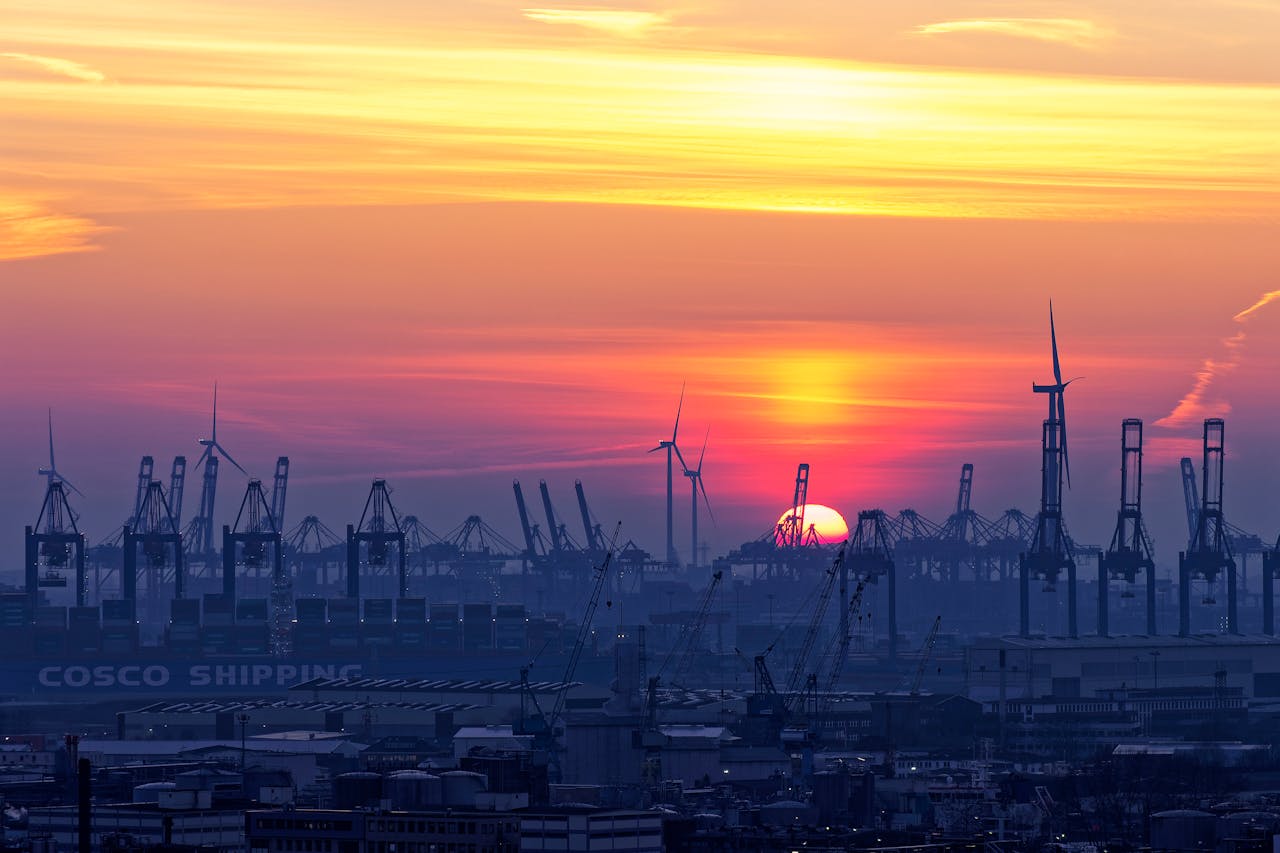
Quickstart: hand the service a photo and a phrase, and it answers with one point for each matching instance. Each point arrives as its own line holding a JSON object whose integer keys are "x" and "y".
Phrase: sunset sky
{"x": 452, "y": 243}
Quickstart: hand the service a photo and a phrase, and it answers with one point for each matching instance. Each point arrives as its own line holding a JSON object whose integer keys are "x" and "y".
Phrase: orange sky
{"x": 456, "y": 242}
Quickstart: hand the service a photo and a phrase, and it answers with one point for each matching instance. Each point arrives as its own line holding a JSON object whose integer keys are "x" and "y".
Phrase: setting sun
{"x": 828, "y": 524}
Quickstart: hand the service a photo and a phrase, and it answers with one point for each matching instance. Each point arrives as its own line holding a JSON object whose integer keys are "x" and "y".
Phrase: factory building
{"x": 557, "y": 829}
{"x": 1087, "y": 667}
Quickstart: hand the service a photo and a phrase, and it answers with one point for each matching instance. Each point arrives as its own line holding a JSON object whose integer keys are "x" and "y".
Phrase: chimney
{"x": 84, "y": 784}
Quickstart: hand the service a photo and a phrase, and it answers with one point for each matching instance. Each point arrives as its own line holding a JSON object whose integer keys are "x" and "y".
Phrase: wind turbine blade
{"x": 704, "y": 451}
{"x": 203, "y": 456}
{"x": 1062, "y": 422}
{"x": 706, "y": 501}
{"x": 214, "y": 437}
{"x": 52, "y": 465}
{"x": 679, "y": 408}
{"x": 227, "y": 456}
{"x": 69, "y": 485}
{"x": 1053, "y": 339}
{"x": 680, "y": 456}
{"x": 655, "y": 450}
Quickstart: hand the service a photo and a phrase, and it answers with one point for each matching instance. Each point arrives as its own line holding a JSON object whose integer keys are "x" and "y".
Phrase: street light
{"x": 243, "y": 720}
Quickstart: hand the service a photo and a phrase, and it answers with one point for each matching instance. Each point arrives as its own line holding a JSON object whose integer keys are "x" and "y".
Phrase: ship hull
{"x": 158, "y": 676}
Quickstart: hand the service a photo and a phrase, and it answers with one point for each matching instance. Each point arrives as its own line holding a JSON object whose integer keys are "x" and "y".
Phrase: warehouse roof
{"x": 1094, "y": 643}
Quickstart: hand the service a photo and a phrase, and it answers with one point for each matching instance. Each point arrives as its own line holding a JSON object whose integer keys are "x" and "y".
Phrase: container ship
{"x": 247, "y": 646}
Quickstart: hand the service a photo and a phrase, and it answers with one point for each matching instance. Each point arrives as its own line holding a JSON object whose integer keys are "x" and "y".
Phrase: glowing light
{"x": 613, "y": 21}
{"x": 828, "y": 524}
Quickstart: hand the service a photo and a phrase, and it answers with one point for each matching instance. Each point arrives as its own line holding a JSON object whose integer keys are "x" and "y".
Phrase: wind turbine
{"x": 1057, "y": 406}
{"x": 211, "y": 443}
{"x": 201, "y": 530}
{"x": 670, "y": 447}
{"x": 1051, "y": 547}
{"x": 695, "y": 483}
{"x": 52, "y": 471}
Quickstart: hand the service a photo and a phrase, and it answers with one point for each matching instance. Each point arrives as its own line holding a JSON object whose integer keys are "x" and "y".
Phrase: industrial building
{"x": 1087, "y": 667}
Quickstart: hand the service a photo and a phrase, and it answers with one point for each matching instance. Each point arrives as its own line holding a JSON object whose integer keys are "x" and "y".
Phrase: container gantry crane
{"x": 1130, "y": 551}
{"x": 1209, "y": 552}
{"x": 56, "y": 540}
{"x": 246, "y": 542}
{"x": 156, "y": 533}
{"x": 871, "y": 556}
{"x": 791, "y": 531}
{"x": 380, "y": 528}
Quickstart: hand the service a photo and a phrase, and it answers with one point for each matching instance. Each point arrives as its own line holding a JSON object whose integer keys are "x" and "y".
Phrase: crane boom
{"x": 926, "y": 651}
{"x": 793, "y": 535}
{"x": 529, "y": 543}
{"x": 279, "y": 488}
{"x": 553, "y": 529}
{"x": 763, "y": 680}
{"x": 177, "y": 482}
{"x": 691, "y": 636}
{"x": 144, "y": 483}
{"x": 592, "y": 531}
{"x": 602, "y": 572}
{"x": 842, "y": 647}
{"x": 799, "y": 672}
{"x": 1190, "y": 494}
{"x": 966, "y": 488}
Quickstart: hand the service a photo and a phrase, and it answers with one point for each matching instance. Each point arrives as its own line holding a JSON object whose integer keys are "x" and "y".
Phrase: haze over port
{"x": 450, "y": 266}
{"x": 674, "y": 427}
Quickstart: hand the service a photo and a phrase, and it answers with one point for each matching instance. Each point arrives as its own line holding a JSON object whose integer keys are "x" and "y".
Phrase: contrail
{"x": 1192, "y": 405}
{"x": 1263, "y": 300}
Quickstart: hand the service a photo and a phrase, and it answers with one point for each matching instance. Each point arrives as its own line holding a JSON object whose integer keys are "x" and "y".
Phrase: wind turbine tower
{"x": 672, "y": 448}
{"x": 695, "y": 483}
{"x": 1050, "y": 551}
{"x": 199, "y": 536}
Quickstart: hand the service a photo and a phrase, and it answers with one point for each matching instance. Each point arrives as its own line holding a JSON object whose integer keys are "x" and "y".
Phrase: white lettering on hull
{"x": 154, "y": 676}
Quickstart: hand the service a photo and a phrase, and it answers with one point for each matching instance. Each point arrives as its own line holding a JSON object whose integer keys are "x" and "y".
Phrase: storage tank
{"x": 1245, "y": 825}
{"x": 461, "y": 787}
{"x": 357, "y": 790}
{"x": 1183, "y": 829}
{"x": 414, "y": 790}
{"x": 150, "y": 792}
{"x": 787, "y": 813}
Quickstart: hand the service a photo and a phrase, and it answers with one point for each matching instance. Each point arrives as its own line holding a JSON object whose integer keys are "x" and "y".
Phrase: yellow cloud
{"x": 62, "y": 67}
{"x": 1076, "y": 32}
{"x": 205, "y": 117}
{"x": 613, "y": 21}
{"x": 30, "y": 230}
